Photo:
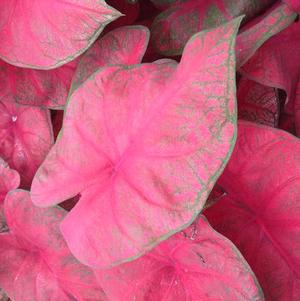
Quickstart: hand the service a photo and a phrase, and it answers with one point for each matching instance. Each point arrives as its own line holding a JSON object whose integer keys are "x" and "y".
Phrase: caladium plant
{"x": 48, "y": 34}
{"x": 260, "y": 212}
{"x": 9, "y": 180}
{"x": 26, "y": 137}
{"x": 196, "y": 263}
{"x": 258, "y": 103}
{"x": 123, "y": 46}
{"x": 143, "y": 145}
{"x": 273, "y": 65}
{"x": 126, "y": 144}
{"x": 36, "y": 264}
{"x": 173, "y": 27}
{"x": 42, "y": 88}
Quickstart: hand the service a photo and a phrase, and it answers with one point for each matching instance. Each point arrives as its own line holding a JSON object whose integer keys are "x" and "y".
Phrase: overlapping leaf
{"x": 48, "y": 34}
{"x": 36, "y": 264}
{"x": 124, "y": 45}
{"x": 198, "y": 264}
{"x": 9, "y": 179}
{"x": 172, "y": 28}
{"x": 26, "y": 137}
{"x": 274, "y": 65}
{"x": 258, "y": 103}
{"x": 262, "y": 28}
{"x": 143, "y": 145}
{"x": 43, "y": 88}
{"x": 260, "y": 212}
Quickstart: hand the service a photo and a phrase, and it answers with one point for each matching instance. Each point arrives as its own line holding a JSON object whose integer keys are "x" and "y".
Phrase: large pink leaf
{"x": 25, "y": 137}
{"x": 48, "y": 34}
{"x": 172, "y": 28}
{"x": 124, "y": 45}
{"x": 274, "y": 65}
{"x": 143, "y": 144}
{"x": 36, "y": 264}
{"x": 258, "y": 103}
{"x": 198, "y": 264}
{"x": 44, "y": 88}
{"x": 261, "y": 211}
{"x": 9, "y": 179}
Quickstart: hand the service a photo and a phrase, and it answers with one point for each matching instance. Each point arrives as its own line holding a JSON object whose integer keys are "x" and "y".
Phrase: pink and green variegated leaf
{"x": 262, "y": 28}
{"x": 26, "y": 137}
{"x": 36, "y": 264}
{"x": 124, "y": 45}
{"x": 258, "y": 103}
{"x": 43, "y": 88}
{"x": 260, "y": 213}
{"x": 197, "y": 264}
{"x": 9, "y": 179}
{"x": 48, "y": 34}
{"x": 172, "y": 28}
{"x": 143, "y": 144}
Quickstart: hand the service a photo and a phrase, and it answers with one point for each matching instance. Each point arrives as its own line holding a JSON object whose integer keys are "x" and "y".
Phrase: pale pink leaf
{"x": 36, "y": 264}
{"x": 143, "y": 144}
{"x": 48, "y": 34}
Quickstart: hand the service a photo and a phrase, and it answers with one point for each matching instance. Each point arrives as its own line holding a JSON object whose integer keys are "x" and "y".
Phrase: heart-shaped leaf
{"x": 258, "y": 103}
{"x": 197, "y": 264}
{"x": 172, "y": 28}
{"x": 143, "y": 144}
{"x": 36, "y": 264}
{"x": 260, "y": 212}
{"x": 43, "y": 88}
{"x": 26, "y": 137}
{"x": 124, "y": 45}
{"x": 48, "y": 34}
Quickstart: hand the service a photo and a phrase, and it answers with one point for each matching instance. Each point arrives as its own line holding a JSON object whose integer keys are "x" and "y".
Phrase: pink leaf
{"x": 260, "y": 213}
{"x": 143, "y": 144}
{"x": 43, "y": 88}
{"x": 48, "y": 34}
{"x": 9, "y": 179}
{"x": 26, "y": 137}
{"x": 258, "y": 103}
{"x": 255, "y": 33}
{"x": 124, "y": 45}
{"x": 198, "y": 264}
{"x": 274, "y": 64}
{"x": 36, "y": 264}
{"x": 172, "y": 28}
